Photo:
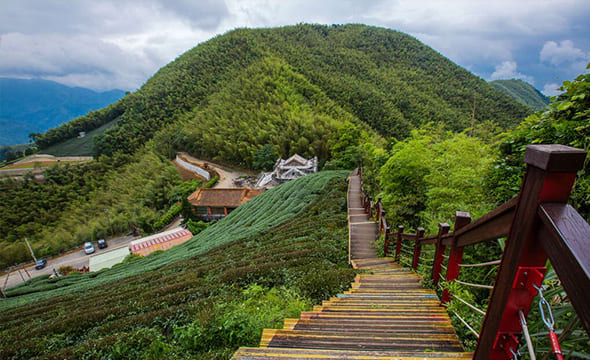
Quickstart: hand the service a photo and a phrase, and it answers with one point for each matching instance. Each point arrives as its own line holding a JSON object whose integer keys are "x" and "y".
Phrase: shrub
{"x": 211, "y": 182}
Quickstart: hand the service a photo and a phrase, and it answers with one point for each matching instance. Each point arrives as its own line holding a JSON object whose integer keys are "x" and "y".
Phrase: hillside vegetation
{"x": 384, "y": 78}
{"x": 522, "y": 92}
{"x": 266, "y": 211}
{"x": 272, "y": 259}
{"x": 244, "y": 98}
{"x": 80, "y": 146}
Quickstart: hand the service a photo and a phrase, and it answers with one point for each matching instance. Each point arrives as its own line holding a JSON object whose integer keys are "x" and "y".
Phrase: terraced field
{"x": 268, "y": 260}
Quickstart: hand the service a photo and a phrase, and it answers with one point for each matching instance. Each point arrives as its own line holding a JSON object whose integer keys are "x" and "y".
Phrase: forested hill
{"x": 522, "y": 92}
{"x": 244, "y": 98}
{"x": 381, "y": 77}
{"x": 34, "y": 106}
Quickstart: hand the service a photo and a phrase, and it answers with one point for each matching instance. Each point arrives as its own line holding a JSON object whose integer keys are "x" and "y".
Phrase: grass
{"x": 210, "y": 296}
{"x": 77, "y": 146}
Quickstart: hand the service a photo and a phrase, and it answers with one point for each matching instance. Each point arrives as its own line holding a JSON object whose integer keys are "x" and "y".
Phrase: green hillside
{"x": 266, "y": 211}
{"x": 78, "y": 146}
{"x": 326, "y": 91}
{"x": 522, "y": 92}
{"x": 383, "y": 78}
{"x": 282, "y": 252}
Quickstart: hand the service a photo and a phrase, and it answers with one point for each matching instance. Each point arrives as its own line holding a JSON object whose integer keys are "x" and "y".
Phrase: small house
{"x": 161, "y": 241}
{"x": 213, "y": 204}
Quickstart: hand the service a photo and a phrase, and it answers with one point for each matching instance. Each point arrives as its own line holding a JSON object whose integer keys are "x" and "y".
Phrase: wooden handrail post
{"x": 550, "y": 175}
{"x": 362, "y": 194}
{"x": 386, "y": 242}
{"x": 417, "y": 248}
{"x": 370, "y": 207}
{"x": 398, "y": 248}
{"x": 462, "y": 218}
{"x": 443, "y": 229}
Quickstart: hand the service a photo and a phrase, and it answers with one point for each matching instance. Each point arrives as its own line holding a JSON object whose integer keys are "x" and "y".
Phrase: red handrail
{"x": 538, "y": 224}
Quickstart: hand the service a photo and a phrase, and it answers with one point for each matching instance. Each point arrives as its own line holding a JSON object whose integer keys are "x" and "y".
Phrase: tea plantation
{"x": 270, "y": 259}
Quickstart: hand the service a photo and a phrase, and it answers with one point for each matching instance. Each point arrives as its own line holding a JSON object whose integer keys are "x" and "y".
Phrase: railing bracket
{"x": 527, "y": 276}
{"x": 506, "y": 342}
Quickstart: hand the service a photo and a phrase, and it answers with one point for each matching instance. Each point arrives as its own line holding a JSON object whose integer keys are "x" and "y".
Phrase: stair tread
{"x": 251, "y": 353}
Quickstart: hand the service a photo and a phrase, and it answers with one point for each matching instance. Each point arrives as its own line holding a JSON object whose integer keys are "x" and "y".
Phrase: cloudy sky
{"x": 106, "y": 44}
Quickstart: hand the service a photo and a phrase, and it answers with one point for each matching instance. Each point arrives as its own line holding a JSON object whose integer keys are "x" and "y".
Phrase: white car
{"x": 88, "y": 248}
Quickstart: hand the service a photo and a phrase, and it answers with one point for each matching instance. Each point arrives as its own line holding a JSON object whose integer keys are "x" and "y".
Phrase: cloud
{"x": 119, "y": 44}
{"x": 551, "y": 89}
{"x": 563, "y": 52}
{"x": 55, "y": 57}
{"x": 507, "y": 70}
{"x": 123, "y": 42}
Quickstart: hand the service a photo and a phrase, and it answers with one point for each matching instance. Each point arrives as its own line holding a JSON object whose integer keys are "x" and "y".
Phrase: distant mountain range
{"x": 522, "y": 92}
{"x": 28, "y": 106}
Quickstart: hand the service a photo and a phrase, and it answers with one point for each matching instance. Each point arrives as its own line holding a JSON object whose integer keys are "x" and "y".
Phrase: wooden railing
{"x": 538, "y": 225}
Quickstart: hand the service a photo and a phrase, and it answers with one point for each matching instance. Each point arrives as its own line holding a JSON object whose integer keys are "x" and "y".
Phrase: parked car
{"x": 89, "y": 248}
{"x": 102, "y": 243}
{"x": 40, "y": 264}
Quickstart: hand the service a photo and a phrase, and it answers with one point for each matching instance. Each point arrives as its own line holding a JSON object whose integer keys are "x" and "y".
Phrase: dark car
{"x": 40, "y": 264}
{"x": 102, "y": 243}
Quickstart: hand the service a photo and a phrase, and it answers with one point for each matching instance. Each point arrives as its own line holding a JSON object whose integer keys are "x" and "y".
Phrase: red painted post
{"x": 398, "y": 249}
{"x": 550, "y": 175}
{"x": 456, "y": 256}
{"x": 386, "y": 243}
{"x": 417, "y": 248}
{"x": 443, "y": 228}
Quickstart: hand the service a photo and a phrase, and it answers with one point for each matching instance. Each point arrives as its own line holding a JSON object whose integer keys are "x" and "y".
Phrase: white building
{"x": 294, "y": 167}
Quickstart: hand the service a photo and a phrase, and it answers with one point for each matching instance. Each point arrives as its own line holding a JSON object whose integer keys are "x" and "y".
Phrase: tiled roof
{"x": 222, "y": 197}
{"x": 161, "y": 241}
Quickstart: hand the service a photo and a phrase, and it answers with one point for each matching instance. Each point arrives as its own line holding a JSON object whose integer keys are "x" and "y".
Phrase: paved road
{"x": 76, "y": 259}
{"x": 226, "y": 175}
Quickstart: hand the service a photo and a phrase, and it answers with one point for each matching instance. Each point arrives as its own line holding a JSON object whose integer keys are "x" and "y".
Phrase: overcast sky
{"x": 103, "y": 44}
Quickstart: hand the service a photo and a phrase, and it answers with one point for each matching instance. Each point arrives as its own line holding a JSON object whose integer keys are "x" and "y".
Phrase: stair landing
{"x": 386, "y": 314}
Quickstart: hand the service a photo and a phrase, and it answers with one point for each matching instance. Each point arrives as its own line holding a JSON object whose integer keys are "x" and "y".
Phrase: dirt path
{"x": 226, "y": 175}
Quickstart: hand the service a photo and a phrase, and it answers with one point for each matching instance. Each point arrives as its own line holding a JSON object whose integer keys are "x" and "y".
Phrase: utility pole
{"x": 109, "y": 221}
{"x": 473, "y": 115}
{"x": 31, "y": 250}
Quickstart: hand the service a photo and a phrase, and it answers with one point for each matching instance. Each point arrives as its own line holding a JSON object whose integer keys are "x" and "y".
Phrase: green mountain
{"x": 522, "y": 92}
{"x": 326, "y": 91}
{"x": 382, "y": 78}
{"x": 34, "y": 106}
